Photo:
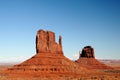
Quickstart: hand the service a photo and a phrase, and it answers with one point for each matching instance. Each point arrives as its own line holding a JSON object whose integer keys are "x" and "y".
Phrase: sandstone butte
{"x": 87, "y": 59}
{"x": 49, "y": 60}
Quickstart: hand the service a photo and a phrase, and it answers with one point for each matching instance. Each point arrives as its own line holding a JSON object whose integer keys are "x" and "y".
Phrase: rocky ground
{"x": 102, "y": 75}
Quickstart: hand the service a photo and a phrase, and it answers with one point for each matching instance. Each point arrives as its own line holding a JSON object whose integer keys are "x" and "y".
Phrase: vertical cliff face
{"x": 45, "y": 42}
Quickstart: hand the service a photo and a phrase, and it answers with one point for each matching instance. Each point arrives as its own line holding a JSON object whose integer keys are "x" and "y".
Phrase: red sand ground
{"x": 106, "y": 74}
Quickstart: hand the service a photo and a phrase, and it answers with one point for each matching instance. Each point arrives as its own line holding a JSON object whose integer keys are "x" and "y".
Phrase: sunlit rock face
{"x": 45, "y": 42}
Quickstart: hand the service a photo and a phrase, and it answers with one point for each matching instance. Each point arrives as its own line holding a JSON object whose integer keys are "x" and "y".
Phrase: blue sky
{"x": 80, "y": 22}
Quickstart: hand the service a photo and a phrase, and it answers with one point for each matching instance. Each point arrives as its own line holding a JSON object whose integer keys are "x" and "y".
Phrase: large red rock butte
{"x": 45, "y": 42}
{"x": 49, "y": 59}
{"x": 87, "y": 59}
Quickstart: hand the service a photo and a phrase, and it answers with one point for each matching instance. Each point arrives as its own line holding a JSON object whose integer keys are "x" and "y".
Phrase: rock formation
{"x": 87, "y": 59}
{"x": 45, "y": 42}
{"x": 49, "y": 59}
{"x": 87, "y": 52}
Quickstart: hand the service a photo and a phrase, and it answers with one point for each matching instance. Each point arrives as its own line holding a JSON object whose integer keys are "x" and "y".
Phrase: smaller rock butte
{"x": 87, "y": 59}
{"x": 87, "y": 52}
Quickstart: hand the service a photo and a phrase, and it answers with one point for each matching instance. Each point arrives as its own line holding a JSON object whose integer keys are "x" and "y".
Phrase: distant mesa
{"x": 87, "y": 52}
{"x": 87, "y": 59}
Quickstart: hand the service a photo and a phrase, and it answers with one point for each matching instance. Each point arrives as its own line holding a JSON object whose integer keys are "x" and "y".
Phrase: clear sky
{"x": 80, "y": 22}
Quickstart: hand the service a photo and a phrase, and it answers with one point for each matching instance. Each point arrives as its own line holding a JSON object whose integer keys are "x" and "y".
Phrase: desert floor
{"x": 113, "y": 74}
